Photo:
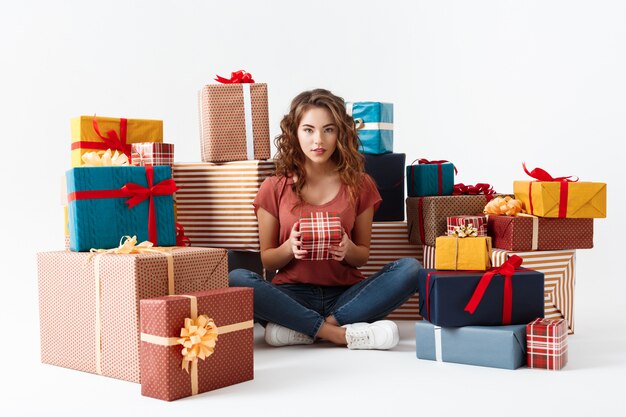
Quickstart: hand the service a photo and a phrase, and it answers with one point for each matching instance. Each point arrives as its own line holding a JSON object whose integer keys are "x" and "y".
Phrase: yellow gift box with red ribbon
{"x": 91, "y": 133}
{"x": 454, "y": 253}
{"x": 562, "y": 197}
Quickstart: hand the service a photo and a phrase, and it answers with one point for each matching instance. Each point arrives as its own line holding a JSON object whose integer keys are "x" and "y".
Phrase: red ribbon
{"x": 427, "y": 300}
{"x": 541, "y": 175}
{"x": 181, "y": 239}
{"x": 111, "y": 140}
{"x": 137, "y": 194}
{"x": 424, "y": 161}
{"x": 507, "y": 269}
{"x": 237, "y": 77}
{"x": 480, "y": 188}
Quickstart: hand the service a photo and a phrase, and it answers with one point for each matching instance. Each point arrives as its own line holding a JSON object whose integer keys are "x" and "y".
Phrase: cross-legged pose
{"x": 319, "y": 169}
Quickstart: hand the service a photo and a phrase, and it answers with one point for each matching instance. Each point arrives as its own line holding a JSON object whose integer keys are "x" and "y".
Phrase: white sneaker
{"x": 277, "y": 335}
{"x": 382, "y": 334}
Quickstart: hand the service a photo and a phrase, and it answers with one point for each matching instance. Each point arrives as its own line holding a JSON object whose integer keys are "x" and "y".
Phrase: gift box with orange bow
{"x": 89, "y": 302}
{"x": 91, "y": 133}
{"x": 234, "y": 121}
{"x": 197, "y": 342}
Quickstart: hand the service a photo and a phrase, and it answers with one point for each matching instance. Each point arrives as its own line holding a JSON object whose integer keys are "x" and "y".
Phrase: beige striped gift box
{"x": 214, "y": 203}
{"x": 389, "y": 242}
{"x": 558, "y": 267}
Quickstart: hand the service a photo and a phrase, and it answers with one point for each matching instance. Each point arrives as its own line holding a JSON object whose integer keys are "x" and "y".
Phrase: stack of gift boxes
{"x": 140, "y": 293}
{"x": 498, "y": 288}
{"x": 374, "y": 123}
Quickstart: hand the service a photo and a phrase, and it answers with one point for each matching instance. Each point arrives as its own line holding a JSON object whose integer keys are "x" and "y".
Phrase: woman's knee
{"x": 242, "y": 278}
{"x": 410, "y": 266}
{"x": 407, "y": 269}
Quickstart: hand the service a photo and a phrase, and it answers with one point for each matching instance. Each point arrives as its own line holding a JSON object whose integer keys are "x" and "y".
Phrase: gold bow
{"x": 465, "y": 230}
{"x": 128, "y": 245}
{"x": 504, "y": 206}
{"x": 198, "y": 338}
{"x": 104, "y": 159}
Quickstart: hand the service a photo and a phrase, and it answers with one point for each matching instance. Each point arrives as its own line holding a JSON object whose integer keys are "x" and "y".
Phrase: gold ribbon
{"x": 456, "y": 253}
{"x": 465, "y": 230}
{"x": 104, "y": 159}
{"x": 535, "y": 235}
{"x": 128, "y": 245}
{"x": 198, "y": 338}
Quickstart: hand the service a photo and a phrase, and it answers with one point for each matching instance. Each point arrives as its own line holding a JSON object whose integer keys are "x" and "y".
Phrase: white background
{"x": 486, "y": 84}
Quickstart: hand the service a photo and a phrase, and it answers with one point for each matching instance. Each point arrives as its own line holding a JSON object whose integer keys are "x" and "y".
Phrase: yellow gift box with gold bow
{"x": 462, "y": 254}
{"x": 557, "y": 199}
{"x": 90, "y": 133}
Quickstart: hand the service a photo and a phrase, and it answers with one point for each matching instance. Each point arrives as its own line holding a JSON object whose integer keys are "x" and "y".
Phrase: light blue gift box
{"x": 374, "y": 122}
{"x": 101, "y": 222}
{"x": 492, "y": 346}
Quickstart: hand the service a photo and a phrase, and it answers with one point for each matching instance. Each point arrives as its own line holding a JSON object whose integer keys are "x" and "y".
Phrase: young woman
{"x": 319, "y": 169}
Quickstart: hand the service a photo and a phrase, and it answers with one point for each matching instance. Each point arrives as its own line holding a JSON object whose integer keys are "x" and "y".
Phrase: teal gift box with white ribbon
{"x": 374, "y": 123}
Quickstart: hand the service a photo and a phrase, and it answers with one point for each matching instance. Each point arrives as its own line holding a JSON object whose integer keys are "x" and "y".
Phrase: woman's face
{"x": 317, "y": 134}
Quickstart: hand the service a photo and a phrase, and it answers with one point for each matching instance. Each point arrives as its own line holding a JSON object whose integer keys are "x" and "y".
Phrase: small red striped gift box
{"x": 479, "y": 223}
{"x": 320, "y": 231}
{"x": 546, "y": 343}
{"x": 149, "y": 153}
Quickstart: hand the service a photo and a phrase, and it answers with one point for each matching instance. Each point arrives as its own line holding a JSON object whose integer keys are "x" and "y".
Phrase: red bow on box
{"x": 111, "y": 140}
{"x": 237, "y": 77}
{"x": 479, "y": 188}
{"x": 507, "y": 270}
{"x": 541, "y": 175}
{"x": 137, "y": 194}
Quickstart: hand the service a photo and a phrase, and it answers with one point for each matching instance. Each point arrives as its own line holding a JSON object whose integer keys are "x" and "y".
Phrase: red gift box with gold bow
{"x": 197, "y": 342}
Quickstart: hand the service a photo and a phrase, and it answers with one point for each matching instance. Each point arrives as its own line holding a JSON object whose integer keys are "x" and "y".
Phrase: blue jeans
{"x": 304, "y": 307}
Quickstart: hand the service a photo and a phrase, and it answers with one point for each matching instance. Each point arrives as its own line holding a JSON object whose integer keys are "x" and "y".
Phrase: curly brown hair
{"x": 290, "y": 158}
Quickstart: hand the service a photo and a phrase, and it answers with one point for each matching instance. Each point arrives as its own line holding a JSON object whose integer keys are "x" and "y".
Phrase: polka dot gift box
{"x": 234, "y": 121}
{"x": 89, "y": 305}
{"x": 197, "y": 342}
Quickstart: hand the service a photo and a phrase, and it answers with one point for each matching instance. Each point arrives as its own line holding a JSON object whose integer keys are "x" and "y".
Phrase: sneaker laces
{"x": 359, "y": 338}
{"x": 300, "y": 337}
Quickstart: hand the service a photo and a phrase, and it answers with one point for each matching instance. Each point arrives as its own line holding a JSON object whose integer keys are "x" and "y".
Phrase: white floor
{"x": 325, "y": 380}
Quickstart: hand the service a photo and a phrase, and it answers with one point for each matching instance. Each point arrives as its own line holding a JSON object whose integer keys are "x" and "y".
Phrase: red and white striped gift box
{"x": 479, "y": 222}
{"x": 214, "y": 203}
{"x": 320, "y": 231}
{"x": 546, "y": 344}
{"x": 388, "y": 243}
{"x": 150, "y": 153}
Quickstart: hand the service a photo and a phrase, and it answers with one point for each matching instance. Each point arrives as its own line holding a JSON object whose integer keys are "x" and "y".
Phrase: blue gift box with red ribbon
{"x": 107, "y": 203}
{"x": 430, "y": 178}
{"x": 500, "y": 296}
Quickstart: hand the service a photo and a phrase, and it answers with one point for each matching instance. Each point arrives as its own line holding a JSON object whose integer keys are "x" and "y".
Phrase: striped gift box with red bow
{"x": 546, "y": 343}
{"x": 320, "y": 231}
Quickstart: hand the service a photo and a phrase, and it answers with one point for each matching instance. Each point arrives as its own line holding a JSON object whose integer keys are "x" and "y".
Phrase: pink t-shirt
{"x": 277, "y": 198}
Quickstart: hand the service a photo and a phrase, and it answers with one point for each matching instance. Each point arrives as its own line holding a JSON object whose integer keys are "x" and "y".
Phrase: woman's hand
{"x": 295, "y": 242}
{"x": 339, "y": 252}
